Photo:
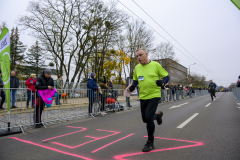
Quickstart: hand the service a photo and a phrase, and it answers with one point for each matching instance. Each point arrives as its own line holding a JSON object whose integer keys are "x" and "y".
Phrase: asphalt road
{"x": 192, "y": 129}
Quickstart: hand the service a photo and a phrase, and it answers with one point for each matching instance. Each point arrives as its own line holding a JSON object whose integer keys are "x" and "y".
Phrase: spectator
{"x": 30, "y": 83}
{"x": 173, "y": 89}
{"x": 110, "y": 85}
{"x": 59, "y": 87}
{"x": 162, "y": 98}
{"x": 127, "y": 95}
{"x": 181, "y": 91}
{"x": 190, "y": 91}
{"x": 167, "y": 92}
{"x": 177, "y": 91}
{"x": 104, "y": 89}
{"x": 2, "y": 94}
{"x": 193, "y": 92}
{"x": 14, "y": 83}
{"x": 238, "y": 83}
{"x": 91, "y": 91}
{"x": 45, "y": 81}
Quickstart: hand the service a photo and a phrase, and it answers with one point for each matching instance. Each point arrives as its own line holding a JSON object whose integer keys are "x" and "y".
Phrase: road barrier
{"x": 236, "y": 93}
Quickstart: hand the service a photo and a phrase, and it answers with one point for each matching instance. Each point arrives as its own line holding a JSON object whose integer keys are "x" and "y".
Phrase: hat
{"x": 92, "y": 75}
{"x": 47, "y": 71}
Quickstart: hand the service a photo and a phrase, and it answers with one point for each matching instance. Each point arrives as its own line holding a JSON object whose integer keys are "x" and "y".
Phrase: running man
{"x": 146, "y": 75}
{"x": 211, "y": 87}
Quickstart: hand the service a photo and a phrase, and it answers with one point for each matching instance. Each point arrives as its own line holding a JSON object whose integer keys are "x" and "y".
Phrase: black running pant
{"x": 212, "y": 92}
{"x": 148, "y": 110}
{"x": 38, "y": 111}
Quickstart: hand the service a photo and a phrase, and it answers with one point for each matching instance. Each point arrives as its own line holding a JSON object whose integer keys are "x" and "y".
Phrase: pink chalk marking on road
{"x": 53, "y": 149}
{"x": 112, "y": 143}
{"x": 95, "y": 139}
{"x": 123, "y": 156}
{"x": 83, "y": 129}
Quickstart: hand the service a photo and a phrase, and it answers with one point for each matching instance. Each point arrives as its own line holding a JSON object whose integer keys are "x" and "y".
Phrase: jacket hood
{"x": 101, "y": 79}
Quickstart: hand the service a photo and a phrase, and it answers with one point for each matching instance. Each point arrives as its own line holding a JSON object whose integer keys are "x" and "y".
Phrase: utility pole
{"x": 189, "y": 72}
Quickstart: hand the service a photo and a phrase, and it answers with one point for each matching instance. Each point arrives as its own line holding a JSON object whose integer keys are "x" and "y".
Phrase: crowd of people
{"x": 176, "y": 91}
{"x": 97, "y": 92}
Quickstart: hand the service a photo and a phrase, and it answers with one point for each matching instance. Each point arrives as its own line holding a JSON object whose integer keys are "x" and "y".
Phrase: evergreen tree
{"x": 17, "y": 50}
{"x": 35, "y": 60}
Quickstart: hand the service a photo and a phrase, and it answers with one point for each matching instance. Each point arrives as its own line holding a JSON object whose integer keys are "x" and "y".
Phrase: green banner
{"x": 236, "y": 3}
{"x": 5, "y": 62}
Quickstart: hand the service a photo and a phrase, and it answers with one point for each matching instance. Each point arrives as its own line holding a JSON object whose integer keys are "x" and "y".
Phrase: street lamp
{"x": 189, "y": 71}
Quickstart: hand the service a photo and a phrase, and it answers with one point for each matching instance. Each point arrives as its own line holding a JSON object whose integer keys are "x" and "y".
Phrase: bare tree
{"x": 137, "y": 36}
{"x": 2, "y": 25}
{"x": 164, "y": 51}
{"x": 73, "y": 30}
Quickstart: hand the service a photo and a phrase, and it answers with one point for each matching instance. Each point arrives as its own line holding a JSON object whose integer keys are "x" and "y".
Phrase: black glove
{"x": 131, "y": 88}
{"x": 160, "y": 83}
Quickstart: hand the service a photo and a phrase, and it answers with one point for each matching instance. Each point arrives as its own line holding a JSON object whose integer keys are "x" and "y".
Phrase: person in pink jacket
{"x": 30, "y": 83}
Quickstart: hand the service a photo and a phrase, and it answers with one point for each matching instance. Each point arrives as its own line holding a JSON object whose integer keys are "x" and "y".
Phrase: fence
{"x": 72, "y": 87}
{"x": 236, "y": 93}
{"x": 73, "y": 106}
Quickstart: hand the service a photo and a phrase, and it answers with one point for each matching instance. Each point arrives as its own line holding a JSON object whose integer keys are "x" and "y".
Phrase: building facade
{"x": 176, "y": 71}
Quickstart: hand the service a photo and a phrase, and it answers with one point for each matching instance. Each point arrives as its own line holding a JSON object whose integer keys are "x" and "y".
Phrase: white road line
{"x": 208, "y": 104}
{"x": 187, "y": 121}
{"x": 179, "y": 105}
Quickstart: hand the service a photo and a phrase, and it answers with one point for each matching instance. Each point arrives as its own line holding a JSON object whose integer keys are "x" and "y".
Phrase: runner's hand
{"x": 160, "y": 83}
{"x": 131, "y": 88}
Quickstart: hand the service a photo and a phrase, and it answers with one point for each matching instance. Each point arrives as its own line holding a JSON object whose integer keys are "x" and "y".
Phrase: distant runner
{"x": 211, "y": 87}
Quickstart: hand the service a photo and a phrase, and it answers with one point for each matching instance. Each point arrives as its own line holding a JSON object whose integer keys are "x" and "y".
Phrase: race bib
{"x": 140, "y": 78}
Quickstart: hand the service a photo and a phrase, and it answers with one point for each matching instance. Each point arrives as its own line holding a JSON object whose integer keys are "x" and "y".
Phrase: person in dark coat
{"x": 238, "y": 83}
{"x": 2, "y": 94}
{"x": 14, "y": 84}
{"x": 173, "y": 89}
{"x": 92, "y": 87}
{"x": 104, "y": 90}
{"x": 212, "y": 86}
{"x": 45, "y": 81}
{"x": 110, "y": 85}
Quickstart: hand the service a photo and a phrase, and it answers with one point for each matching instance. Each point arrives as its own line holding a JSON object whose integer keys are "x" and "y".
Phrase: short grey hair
{"x": 143, "y": 49}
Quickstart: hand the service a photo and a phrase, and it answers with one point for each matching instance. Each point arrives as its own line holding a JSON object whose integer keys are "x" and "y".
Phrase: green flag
{"x": 5, "y": 62}
{"x": 236, "y": 3}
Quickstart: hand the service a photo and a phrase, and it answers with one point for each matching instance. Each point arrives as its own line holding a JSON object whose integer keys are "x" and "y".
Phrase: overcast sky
{"x": 208, "y": 29}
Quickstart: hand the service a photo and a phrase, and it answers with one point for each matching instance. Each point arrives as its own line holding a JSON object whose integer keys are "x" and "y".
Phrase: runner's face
{"x": 142, "y": 57}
